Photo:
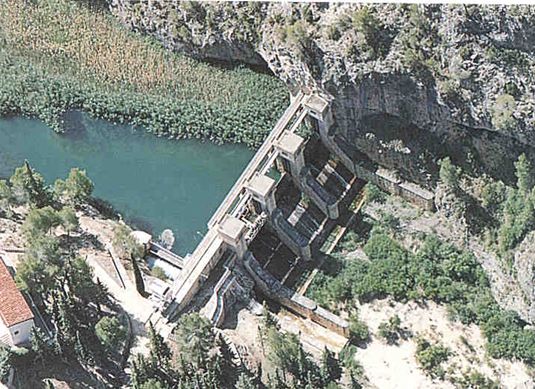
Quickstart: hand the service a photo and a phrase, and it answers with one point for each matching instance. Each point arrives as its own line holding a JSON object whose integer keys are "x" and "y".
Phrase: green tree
{"x": 245, "y": 382}
{"x": 124, "y": 243}
{"x": 76, "y": 189}
{"x": 160, "y": 353}
{"x": 42, "y": 350}
{"x": 195, "y": 337}
{"x": 449, "y": 174}
{"x": 523, "y": 174}
{"x": 5, "y": 363}
{"x": 79, "y": 278}
{"x": 111, "y": 333}
{"x": 40, "y": 221}
{"x": 28, "y": 186}
{"x": 35, "y": 276}
{"x": 6, "y": 198}
{"x": 44, "y": 248}
{"x": 69, "y": 220}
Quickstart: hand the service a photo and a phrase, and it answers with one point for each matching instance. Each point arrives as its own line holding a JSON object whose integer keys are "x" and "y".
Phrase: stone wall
{"x": 301, "y": 305}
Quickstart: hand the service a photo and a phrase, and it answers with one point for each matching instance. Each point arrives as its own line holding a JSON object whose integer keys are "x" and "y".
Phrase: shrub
{"x": 502, "y": 112}
{"x": 372, "y": 194}
{"x": 158, "y": 272}
{"x": 111, "y": 333}
{"x": 431, "y": 356}
{"x": 391, "y": 330}
{"x": 438, "y": 271}
{"x": 360, "y": 333}
{"x": 449, "y": 174}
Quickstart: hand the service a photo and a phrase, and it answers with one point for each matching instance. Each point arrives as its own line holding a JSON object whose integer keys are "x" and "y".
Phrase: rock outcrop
{"x": 410, "y": 84}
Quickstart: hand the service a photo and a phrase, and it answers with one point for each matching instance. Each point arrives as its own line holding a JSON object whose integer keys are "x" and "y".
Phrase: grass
{"x": 63, "y": 55}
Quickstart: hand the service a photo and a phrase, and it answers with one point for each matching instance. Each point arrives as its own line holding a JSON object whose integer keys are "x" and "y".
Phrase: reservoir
{"x": 154, "y": 183}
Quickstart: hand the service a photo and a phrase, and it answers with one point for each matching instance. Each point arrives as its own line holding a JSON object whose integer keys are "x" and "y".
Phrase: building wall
{"x": 20, "y": 333}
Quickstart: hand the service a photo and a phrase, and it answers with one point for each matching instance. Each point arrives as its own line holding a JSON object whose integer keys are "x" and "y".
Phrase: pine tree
{"x": 523, "y": 174}
{"x": 82, "y": 351}
{"x": 160, "y": 353}
{"x": 141, "y": 371}
{"x": 40, "y": 346}
{"x": 449, "y": 174}
{"x": 226, "y": 364}
{"x": 29, "y": 186}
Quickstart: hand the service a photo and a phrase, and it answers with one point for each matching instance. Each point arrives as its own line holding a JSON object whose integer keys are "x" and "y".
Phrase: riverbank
{"x": 153, "y": 183}
{"x": 60, "y": 55}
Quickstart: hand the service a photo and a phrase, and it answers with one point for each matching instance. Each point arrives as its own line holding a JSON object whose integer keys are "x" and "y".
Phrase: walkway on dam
{"x": 201, "y": 261}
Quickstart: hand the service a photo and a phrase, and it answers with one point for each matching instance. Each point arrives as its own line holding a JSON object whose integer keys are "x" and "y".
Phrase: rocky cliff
{"x": 409, "y": 84}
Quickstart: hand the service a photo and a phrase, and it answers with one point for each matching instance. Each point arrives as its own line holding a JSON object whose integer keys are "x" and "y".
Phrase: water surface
{"x": 153, "y": 182}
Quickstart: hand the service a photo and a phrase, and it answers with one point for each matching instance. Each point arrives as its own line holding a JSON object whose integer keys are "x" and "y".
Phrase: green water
{"x": 152, "y": 182}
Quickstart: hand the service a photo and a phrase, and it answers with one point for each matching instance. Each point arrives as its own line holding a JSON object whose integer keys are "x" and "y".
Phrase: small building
{"x": 16, "y": 317}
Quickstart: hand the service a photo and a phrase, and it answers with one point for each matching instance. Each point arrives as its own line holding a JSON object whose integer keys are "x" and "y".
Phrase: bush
{"x": 158, "y": 272}
{"x": 360, "y": 333}
{"x": 438, "y": 271}
{"x": 372, "y": 194}
{"x": 391, "y": 330}
{"x": 430, "y": 357}
{"x": 449, "y": 174}
{"x": 502, "y": 112}
{"x": 111, "y": 333}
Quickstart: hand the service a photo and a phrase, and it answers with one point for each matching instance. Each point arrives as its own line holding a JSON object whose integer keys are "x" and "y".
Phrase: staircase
{"x": 5, "y": 339}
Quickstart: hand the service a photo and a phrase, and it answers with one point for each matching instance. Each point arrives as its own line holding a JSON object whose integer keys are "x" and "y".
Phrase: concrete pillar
{"x": 232, "y": 231}
{"x": 262, "y": 188}
{"x": 291, "y": 147}
{"x": 319, "y": 108}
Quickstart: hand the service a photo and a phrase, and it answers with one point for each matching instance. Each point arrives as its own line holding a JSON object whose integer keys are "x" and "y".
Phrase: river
{"x": 154, "y": 183}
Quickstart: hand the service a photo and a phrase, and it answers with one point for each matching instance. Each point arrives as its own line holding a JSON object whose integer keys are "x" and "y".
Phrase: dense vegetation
{"x": 437, "y": 271}
{"x": 60, "y": 55}
{"x": 506, "y": 213}
{"x": 205, "y": 360}
{"x": 84, "y": 326}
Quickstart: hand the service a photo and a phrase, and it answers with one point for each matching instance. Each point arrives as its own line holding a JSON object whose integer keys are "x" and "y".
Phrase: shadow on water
{"x": 139, "y": 223}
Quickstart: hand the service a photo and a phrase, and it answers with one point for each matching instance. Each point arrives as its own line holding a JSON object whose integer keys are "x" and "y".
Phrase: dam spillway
{"x": 256, "y": 200}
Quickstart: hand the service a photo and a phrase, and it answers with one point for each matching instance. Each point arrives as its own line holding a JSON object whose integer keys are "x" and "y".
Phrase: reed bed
{"x": 58, "y": 55}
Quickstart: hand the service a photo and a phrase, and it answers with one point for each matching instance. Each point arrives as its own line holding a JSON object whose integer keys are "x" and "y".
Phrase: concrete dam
{"x": 280, "y": 211}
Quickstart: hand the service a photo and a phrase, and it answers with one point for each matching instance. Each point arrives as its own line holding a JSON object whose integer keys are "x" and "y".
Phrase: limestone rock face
{"x": 410, "y": 84}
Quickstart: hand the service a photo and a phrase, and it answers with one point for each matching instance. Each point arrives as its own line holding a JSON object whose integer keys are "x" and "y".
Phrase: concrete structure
{"x": 262, "y": 188}
{"x": 252, "y": 201}
{"x": 232, "y": 231}
{"x": 16, "y": 317}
